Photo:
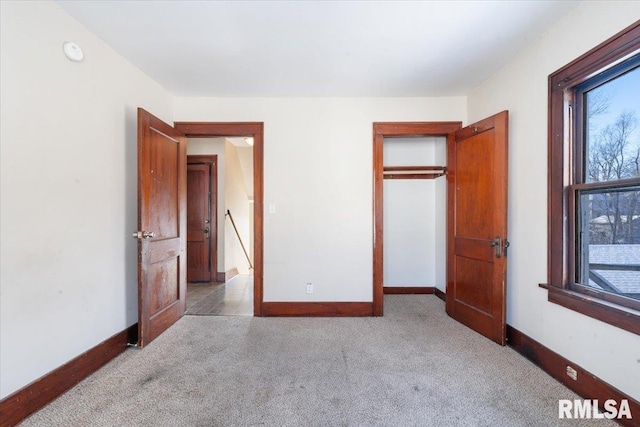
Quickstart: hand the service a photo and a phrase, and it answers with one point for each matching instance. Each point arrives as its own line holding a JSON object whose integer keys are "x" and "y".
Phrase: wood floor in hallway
{"x": 232, "y": 298}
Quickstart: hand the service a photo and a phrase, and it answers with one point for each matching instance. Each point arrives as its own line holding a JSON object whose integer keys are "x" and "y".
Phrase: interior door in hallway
{"x": 201, "y": 218}
{"x": 162, "y": 206}
{"x": 477, "y": 226}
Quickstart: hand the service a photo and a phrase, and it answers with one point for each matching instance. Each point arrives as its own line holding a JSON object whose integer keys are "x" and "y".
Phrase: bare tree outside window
{"x": 608, "y": 220}
{"x": 613, "y": 153}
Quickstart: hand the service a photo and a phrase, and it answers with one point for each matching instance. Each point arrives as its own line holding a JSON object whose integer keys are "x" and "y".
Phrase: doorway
{"x": 227, "y": 282}
{"x": 394, "y": 131}
{"x": 414, "y": 215}
{"x": 220, "y": 218}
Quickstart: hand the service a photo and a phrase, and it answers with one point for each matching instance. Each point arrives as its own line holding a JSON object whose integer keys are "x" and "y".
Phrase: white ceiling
{"x": 318, "y": 48}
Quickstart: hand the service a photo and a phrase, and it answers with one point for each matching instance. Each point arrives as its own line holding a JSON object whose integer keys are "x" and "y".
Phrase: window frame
{"x": 563, "y": 168}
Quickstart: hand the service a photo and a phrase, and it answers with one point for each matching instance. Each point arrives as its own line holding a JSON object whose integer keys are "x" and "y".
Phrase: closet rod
{"x": 413, "y": 172}
{"x": 414, "y": 168}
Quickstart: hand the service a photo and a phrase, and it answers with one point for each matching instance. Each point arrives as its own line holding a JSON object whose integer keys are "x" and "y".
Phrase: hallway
{"x": 232, "y": 298}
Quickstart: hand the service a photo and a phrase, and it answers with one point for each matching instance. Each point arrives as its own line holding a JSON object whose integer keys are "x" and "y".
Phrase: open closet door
{"x": 477, "y": 226}
{"x": 162, "y": 207}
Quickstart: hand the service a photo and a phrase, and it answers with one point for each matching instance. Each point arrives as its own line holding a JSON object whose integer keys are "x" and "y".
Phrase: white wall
{"x": 209, "y": 147}
{"x": 245, "y": 155}
{"x": 409, "y": 207}
{"x": 237, "y": 202}
{"x": 521, "y": 87}
{"x": 318, "y": 173}
{"x": 68, "y": 277}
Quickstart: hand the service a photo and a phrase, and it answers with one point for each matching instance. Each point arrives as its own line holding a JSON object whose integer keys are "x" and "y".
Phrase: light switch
{"x": 272, "y": 208}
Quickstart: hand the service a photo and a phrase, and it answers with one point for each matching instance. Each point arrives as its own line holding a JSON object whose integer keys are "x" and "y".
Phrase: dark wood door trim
{"x": 248, "y": 129}
{"x": 383, "y": 130}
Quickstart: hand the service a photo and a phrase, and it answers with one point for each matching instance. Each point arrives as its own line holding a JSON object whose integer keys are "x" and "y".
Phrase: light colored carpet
{"x": 413, "y": 367}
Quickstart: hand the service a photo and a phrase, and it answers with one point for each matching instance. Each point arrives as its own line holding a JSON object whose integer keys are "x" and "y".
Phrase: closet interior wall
{"x": 414, "y": 204}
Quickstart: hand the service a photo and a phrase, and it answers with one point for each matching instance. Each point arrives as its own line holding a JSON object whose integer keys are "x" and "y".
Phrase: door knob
{"x": 206, "y": 233}
{"x": 497, "y": 244}
{"x": 144, "y": 234}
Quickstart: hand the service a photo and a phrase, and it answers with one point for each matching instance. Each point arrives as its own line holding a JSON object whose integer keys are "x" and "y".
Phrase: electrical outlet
{"x": 572, "y": 373}
{"x": 309, "y": 288}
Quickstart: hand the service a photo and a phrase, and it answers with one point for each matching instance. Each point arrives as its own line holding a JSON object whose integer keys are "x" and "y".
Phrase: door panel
{"x": 201, "y": 236}
{"x": 164, "y": 272}
{"x": 163, "y": 183}
{"x": 162, "y": 216}
{"x": 477, "y": 215}
{"x": 474, "y": 279}
{"x": 474, "y": 186}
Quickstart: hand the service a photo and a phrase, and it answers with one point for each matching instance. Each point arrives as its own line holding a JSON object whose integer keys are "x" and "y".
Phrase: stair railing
{"x": 239, "y": 238}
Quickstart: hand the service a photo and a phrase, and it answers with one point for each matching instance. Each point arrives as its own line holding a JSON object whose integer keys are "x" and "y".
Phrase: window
{"x": 594, "y": 182}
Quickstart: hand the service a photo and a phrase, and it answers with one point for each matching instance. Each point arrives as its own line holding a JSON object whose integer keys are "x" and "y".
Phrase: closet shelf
{"x": 413, "y": 172}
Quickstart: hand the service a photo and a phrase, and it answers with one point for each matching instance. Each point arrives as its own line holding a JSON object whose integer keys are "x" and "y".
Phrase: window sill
{"x": 613, "y": 314}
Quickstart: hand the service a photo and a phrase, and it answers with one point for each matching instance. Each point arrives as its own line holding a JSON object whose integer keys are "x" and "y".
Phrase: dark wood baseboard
{"x": 400, "y": 290}
{"x": 587, "y": 386}
{"x": 230, "y": 274}
{"x": 225, "y": 276}
{"x": 31, "y": 398}
{"x": 317, "y": 309}
{"x": 440, "y": 295}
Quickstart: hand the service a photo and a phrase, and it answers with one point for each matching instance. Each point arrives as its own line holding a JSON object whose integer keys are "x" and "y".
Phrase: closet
{"x": 414, "y": 214}
{"x": 472, "y": 215}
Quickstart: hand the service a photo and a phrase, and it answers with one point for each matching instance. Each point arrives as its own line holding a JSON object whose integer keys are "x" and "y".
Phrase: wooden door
{"x": 477, "y": 226}
{"x": 161, "y": 234}
{"x": 201, "y": 226}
